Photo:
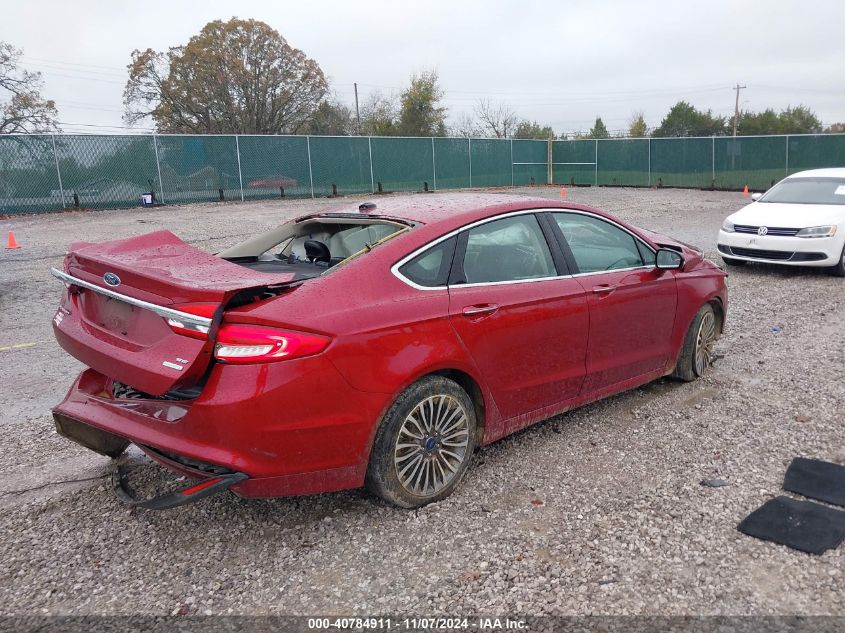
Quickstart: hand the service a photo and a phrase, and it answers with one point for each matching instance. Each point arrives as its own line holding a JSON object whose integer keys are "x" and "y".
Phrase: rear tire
{"x": 697, "y": 351}
{"x": 424, "y": 444}
{"x": 729, "y": 261}
{"x": 839, "y": 269}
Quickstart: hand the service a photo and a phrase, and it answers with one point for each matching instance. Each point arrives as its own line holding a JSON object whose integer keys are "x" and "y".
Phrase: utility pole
{"x": 736, "y": 106}
{"x": 358, "y": 113}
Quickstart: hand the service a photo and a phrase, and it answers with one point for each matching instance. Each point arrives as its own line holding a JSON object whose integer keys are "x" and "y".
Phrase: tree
{"x": 835, "y": 128}
{"x": 25, "y": 111}
{"x": 799, "y": 120}
{"x": 684, "y": 120}
{"x": 332, "y": 118}
{"x": 239, "y": 76}
{"x": 637, "y": 127}
{"x": 420, "y": 112}
{"x": 496, "y": 119}
{"x": 754, "y": 123}
{"x": 532, "y": 129}
{"x": 378, "y": 115}
{"x": 466, "y": 126}
{"x": 599, "y": 130}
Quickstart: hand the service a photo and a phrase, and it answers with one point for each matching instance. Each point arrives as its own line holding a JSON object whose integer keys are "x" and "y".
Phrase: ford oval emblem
{"x": 111, "y": 279}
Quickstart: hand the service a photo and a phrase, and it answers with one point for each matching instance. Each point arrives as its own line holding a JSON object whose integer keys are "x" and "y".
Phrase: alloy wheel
{"x": 431, "y": 445}
{"x": 704, "y": 343}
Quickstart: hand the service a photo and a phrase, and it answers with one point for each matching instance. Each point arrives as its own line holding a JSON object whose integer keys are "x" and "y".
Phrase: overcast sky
{"x": 561, "y": 63}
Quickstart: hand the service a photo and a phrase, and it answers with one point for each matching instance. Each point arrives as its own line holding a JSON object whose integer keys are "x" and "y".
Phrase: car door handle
{"x": 603, "y": 289}
{"x": 479, "y": 310}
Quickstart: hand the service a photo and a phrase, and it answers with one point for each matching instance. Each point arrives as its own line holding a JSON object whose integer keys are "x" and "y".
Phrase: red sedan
{"x": 372, "y": 345}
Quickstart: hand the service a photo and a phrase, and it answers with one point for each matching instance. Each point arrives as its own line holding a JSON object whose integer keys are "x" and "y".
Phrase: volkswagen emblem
{"x": 111, "y": 279}
{"x": 761, "y": 231}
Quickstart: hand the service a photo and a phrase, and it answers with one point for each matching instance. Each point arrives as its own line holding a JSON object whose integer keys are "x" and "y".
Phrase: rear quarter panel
{"x": 385, "y": 334}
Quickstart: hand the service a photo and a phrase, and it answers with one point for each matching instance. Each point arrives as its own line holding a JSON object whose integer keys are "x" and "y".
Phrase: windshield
{"x": 807, "y": 191}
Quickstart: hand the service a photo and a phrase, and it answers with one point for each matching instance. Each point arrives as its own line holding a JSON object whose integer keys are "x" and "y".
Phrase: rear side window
{"x": 510, "y": 249}
{"x": 431, "y": 267}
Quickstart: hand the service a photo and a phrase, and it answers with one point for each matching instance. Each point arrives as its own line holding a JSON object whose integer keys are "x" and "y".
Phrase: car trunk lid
{"x": 125, "y": 297}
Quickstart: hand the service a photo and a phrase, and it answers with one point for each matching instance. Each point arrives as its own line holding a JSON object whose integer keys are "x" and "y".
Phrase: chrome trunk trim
{"x": 167, "y": 313}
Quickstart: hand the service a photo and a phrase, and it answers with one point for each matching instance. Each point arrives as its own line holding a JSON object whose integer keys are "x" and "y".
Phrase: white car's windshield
{"x": 807, "y": 191}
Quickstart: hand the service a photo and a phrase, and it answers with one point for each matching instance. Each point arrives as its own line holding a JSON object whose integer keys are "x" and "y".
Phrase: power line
{"x": 62, "y": 62}
{"x": 95, "y": 125}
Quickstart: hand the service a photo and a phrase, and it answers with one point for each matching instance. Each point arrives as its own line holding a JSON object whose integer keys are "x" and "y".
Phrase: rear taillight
{"x": 239, "y": 343}
{"x": 186, "y": 328}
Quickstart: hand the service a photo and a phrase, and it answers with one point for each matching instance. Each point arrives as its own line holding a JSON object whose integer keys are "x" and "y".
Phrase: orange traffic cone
{"x": 563, "y": 193}
{"x": 745, "y": 191}
{"x": 12, "y": 242}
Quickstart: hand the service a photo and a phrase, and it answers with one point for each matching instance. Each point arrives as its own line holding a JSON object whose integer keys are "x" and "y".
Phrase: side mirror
{"x": 756, "y": 196}
{"x": 667, "y": 259}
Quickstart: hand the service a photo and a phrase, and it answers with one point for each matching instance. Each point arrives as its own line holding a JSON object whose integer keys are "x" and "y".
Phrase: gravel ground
{"x": 597, "y": 511}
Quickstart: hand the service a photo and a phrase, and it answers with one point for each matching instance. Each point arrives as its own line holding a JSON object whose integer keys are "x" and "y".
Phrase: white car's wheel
{"x": 839, "y": 269}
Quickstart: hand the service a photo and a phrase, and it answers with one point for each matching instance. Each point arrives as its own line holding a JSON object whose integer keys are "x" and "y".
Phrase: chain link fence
{"x": 720, "y": 162}
{"x": 51, "y": 172}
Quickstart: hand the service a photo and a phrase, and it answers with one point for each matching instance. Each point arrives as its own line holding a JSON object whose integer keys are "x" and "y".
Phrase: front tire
{"x": 424, "y": 445}
{"x": 839, "y": 269}
{"x": 697, "y": 352}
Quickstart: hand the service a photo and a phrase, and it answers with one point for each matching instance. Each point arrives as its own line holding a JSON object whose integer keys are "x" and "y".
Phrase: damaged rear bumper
{"x": 241, "y": 444}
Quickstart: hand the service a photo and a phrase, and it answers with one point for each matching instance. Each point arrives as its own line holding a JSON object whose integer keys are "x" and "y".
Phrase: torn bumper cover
{"x": 182, "y": 497}
{"x": 314, "y": 445}
{"x": 113, "y": 446}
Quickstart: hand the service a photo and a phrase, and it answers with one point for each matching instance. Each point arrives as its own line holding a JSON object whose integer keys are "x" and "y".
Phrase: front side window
{"x": 598, "y": 245}
{"x": 510, "y": 249}
{"x": 431, "y": 267}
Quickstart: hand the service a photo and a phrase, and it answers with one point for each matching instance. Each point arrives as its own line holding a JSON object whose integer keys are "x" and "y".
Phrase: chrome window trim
{"x": 138, "y": 303}
{"x": 395, "y": 268}
{"x": 614, "y": 270}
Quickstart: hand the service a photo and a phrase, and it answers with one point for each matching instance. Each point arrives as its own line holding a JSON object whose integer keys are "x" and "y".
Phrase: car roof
{"x": 833, "y": 172}
{"x": 429, "y": 208}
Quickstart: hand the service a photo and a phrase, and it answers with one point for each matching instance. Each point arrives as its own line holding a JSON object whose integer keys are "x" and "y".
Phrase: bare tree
{"x": 25, "y": 111}
{"x": 497, "y": 119}
{"x": 380, "y": 115}
{"x": 466, "y": 126}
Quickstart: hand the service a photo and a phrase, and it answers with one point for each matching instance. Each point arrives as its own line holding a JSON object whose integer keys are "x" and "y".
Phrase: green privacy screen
{"x": 681, "y": 162}
{"x": 274, "y": 166}
{"x": 623, "y": 162}
{"x": 530, "y": 162}
{"x": 28, "y": 175}
{"x": 403, "y": 164}
{"x": 574, "y": 162}
{"x": 490, "y": 162}
{"x": 51, "y": 172}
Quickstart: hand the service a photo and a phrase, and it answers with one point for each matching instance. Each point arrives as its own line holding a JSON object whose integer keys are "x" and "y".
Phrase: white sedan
{"x": 799, "y": 222}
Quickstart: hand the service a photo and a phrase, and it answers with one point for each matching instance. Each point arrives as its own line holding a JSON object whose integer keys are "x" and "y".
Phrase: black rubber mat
{"x": 816, "y": 479}
{"x": 802, "y": 525}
